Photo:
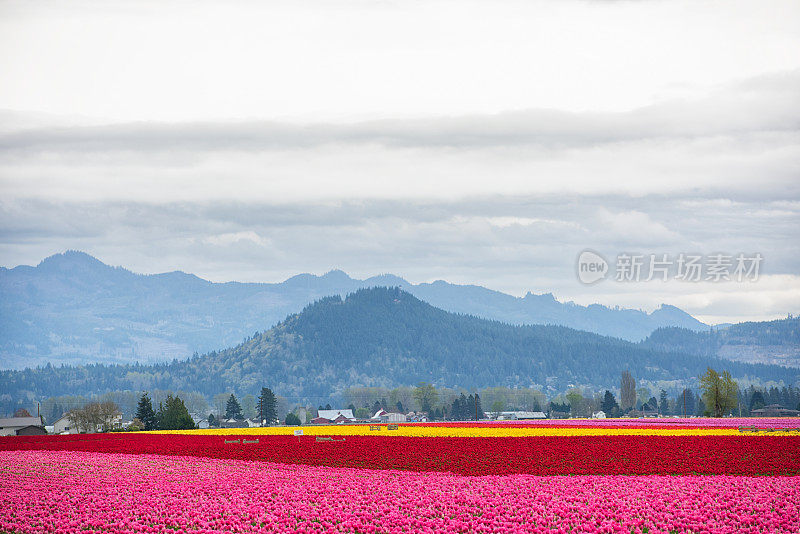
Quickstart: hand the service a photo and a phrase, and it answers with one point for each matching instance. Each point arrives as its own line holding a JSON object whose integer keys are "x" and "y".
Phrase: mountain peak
{"x": 336, "y": 275}
{"x": 387, "y": 279}
{"x": 70, "y": 260}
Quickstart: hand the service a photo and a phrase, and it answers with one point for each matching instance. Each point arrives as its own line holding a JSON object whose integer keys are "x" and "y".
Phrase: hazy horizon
{"x": 375, "y": 275}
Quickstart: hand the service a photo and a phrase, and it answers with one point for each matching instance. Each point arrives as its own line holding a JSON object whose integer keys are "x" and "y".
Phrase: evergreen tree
{"x": 469, "y": 412}
{"x": 211, "y": 420}
{"x": 757, "y": 401}
{"x": 609, "y": 404}
{"x": 663, "y": 405}
{"x": 292, "y": 420}
{"x": 267, "y": 406}
{"x": 457, "y": 408}
{"x": 173, "y": 415}
{"x": 233, "y": 409}
{"x": 145, "y": 413}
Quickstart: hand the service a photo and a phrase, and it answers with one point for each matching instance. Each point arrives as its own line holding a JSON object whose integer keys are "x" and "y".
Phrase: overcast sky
{"x": 477, "y": 142}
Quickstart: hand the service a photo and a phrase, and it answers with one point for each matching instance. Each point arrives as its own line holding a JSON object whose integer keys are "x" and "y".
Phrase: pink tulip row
{"x": 649, "y": 422}
{"x": 83, "y": 492}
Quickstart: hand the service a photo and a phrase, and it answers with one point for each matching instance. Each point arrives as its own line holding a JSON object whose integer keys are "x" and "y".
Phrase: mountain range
{"x": 771, "y": 342}
{"x": 71, "y": 308}
{"x": 387, "y": 337}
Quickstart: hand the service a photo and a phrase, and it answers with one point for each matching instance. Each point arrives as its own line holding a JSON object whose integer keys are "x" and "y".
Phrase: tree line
{"x": 437, "y": 403}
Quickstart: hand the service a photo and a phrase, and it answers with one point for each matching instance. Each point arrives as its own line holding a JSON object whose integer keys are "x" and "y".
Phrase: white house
{"x": 599, "y": 415}
{"x": 63, "y": 425}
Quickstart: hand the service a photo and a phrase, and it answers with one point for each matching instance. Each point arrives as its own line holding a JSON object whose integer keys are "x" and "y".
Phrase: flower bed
{"x": 734, "y": 423}
{"x": 622, "y": 455}
{"x": 77, "y": 492}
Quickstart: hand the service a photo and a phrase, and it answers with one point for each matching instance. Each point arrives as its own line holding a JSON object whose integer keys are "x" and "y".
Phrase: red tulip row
{"x": 609, "y": 455}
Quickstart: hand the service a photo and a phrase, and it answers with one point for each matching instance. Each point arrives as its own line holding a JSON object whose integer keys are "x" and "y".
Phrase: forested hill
{"x": 773, "y": 342}
{"x": 74, "y": 309}
{"x": 387, "y": 337}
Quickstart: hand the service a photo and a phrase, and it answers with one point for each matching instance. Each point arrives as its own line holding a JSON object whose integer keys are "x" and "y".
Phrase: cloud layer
{"x": 475, "y": 144}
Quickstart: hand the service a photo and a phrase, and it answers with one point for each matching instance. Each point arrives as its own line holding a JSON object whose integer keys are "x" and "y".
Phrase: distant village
{"x": 23, "y": 424}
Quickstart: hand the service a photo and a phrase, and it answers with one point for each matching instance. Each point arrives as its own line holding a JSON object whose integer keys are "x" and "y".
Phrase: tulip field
{"x": 662, "y": 475}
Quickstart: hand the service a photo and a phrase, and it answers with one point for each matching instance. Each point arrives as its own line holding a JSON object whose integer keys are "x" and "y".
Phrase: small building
{"x": 64, "y": 425}
{"x": 599, "y": 415}
{"x": 774, "y": 410}
{"x": 389, "y": 417}
{"x": 32, "y": 430}
{"x": 530, "y": 415}
{"x": 320, "y": 421}
{"x": 11, "y": 425}
{"x": 417, "y": 417}
{"x": 394, "y": 417}
{"x": 234, "y": 423}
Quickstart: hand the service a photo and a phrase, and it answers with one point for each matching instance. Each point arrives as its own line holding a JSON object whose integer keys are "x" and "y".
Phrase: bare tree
{"x": 94, "y": 416}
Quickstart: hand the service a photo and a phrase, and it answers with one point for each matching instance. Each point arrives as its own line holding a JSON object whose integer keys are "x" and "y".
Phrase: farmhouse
{"x": 325, "y": 417}
{"x": 319, "y": 421}
{"x": 234, "y": 423}
{"x": 64, "y": 425}
{"x": 333, "y": 415}
{"x": 21, "y": 426}
{"x": 774, "y": 410}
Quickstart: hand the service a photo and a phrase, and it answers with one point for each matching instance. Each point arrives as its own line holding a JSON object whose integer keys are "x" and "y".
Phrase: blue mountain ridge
{"x": 72, "y": 308}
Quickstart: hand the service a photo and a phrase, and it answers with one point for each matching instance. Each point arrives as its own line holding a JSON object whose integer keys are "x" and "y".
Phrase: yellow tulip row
{"x": 470, "y": 431}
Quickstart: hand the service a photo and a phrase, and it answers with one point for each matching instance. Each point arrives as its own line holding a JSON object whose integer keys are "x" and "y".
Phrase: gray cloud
{"x": 503, "y": 200}
{"x": 763, "y": 104}
{"x": 513, "y": 244}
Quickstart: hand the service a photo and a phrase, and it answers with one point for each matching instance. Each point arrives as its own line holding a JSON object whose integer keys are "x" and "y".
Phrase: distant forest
{"x": 384, "y": 337}
{"x": 783, "y": 332}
